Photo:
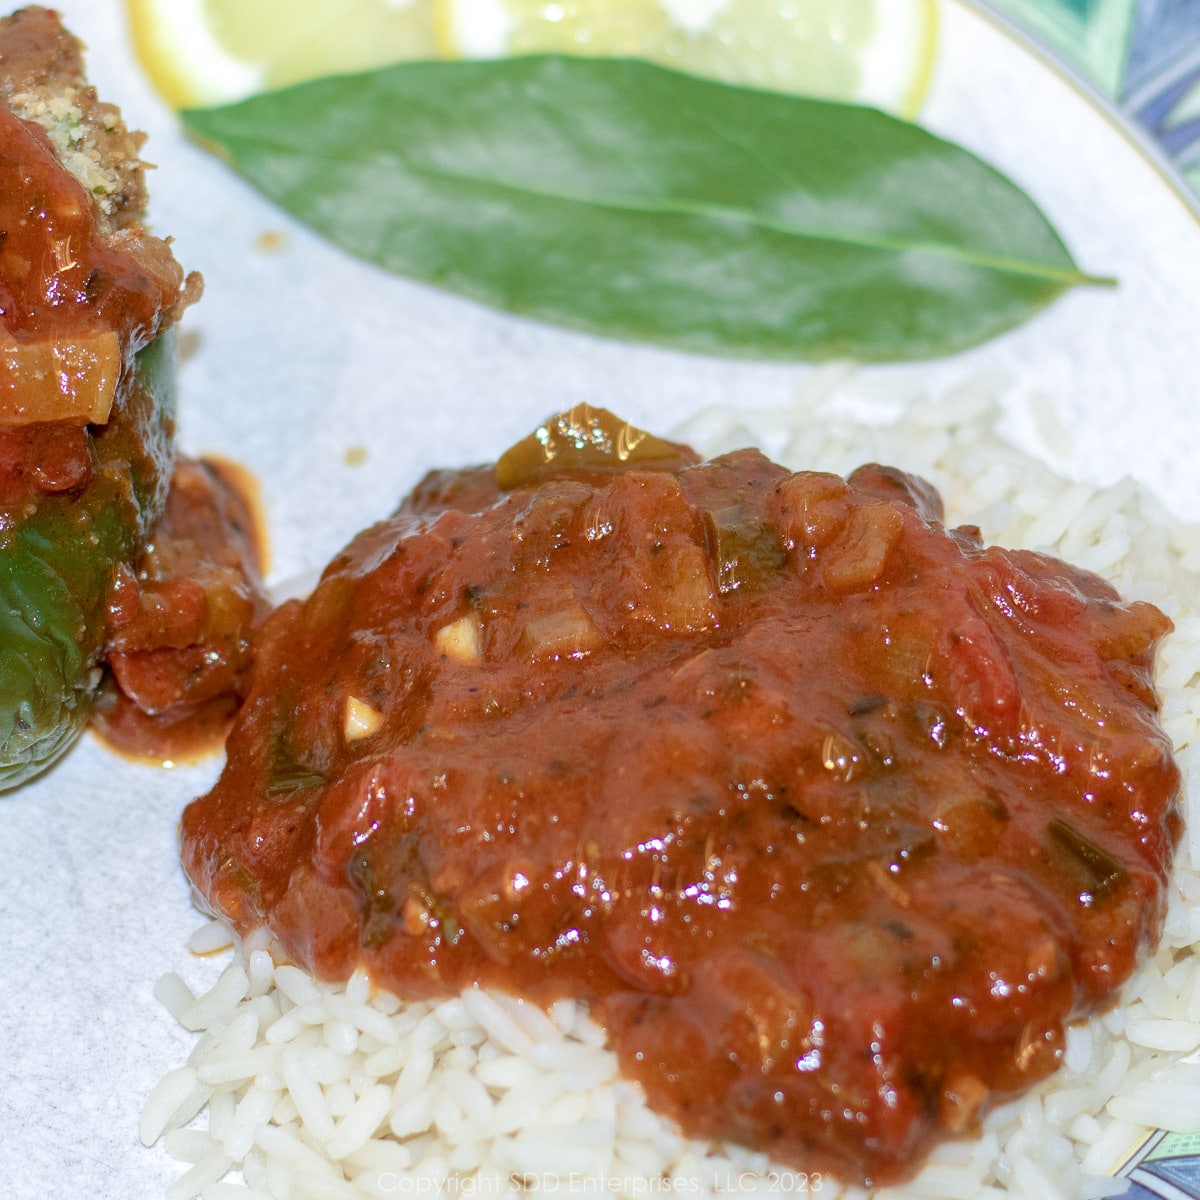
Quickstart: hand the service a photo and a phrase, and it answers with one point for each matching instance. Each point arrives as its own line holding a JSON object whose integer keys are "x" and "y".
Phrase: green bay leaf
{"x": 628, "y": 200}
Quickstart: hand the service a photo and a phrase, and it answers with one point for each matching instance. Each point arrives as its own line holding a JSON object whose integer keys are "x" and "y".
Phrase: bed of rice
{"x": 297, "y": 1089}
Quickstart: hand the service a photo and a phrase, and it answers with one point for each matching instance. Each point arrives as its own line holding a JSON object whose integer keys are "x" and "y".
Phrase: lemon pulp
{"x": 871, "y": 51}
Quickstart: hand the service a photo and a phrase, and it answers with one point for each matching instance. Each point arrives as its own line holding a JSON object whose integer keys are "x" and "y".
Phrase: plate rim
{"x": 1106, "y": 107}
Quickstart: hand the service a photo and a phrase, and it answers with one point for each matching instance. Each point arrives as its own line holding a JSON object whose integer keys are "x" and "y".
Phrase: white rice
{"x": 296, "y": 1089}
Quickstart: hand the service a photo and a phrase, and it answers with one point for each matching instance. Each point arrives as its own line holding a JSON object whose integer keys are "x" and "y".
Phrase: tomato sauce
{"x": 60, "y": 270}
{"x": 835, "y": 815}
{"x": 180, "y": 622}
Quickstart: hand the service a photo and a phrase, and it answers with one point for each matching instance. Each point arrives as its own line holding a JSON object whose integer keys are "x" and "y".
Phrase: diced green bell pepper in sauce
{"x": 583, "y": 438}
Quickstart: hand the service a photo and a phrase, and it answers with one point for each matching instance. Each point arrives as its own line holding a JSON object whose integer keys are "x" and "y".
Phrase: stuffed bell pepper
{"x": 88, "y": 301}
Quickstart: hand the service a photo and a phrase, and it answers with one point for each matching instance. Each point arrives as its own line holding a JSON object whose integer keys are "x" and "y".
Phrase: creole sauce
{"x": 180, "y": 621}
{"x": 61, "y": 271}
{"x": 835, "y": 815}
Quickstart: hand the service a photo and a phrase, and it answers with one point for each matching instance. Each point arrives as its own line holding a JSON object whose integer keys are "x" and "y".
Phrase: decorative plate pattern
{"x": 1141, "y": 55}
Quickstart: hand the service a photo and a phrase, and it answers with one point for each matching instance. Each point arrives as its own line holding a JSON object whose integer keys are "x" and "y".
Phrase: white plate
{"x": 303, "y": 354}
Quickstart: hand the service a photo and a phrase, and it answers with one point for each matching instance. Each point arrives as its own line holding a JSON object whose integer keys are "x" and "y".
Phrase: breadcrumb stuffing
{"x": 62, "y": 118}
{"x": 42, "y": 80}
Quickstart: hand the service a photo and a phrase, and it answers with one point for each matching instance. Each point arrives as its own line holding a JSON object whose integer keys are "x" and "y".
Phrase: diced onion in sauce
{"x": 361, "y": 720}
{"x": 566, "y": 633}
{"x": 52, "y": 379}
{"x": 460, "y": 640}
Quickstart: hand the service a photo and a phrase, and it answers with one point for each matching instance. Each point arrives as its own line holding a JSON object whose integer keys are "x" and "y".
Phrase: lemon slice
{"x": 199, "y": 52}
{"x": 877, "y": 52}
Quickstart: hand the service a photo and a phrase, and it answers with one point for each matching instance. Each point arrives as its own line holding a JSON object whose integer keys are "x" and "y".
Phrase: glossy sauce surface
{"x": 58, "y": 270}
{"x": 834, "y": 815}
